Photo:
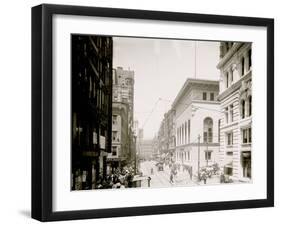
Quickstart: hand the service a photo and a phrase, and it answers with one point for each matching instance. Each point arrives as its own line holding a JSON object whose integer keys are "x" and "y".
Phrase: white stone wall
{"x": 196, "y": 112}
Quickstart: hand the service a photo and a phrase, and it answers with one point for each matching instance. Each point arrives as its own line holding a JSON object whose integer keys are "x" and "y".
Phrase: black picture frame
{"x": 42, "y": 111}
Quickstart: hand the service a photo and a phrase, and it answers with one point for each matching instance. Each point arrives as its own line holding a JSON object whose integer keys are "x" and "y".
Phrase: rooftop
{"x": 188, "y": 85}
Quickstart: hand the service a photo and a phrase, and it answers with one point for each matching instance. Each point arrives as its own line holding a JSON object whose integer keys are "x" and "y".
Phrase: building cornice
{"x": 205, "y": 102}
{"x": 229, "y": 126}
{"x": 196, "y": 144}
{"x": 188, "y": 84}
{"x": 229, "y": 54}
{"x": 234, "y": 87}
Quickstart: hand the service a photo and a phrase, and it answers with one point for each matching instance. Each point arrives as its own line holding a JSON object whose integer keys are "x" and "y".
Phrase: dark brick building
{"x": 91, "y": 108}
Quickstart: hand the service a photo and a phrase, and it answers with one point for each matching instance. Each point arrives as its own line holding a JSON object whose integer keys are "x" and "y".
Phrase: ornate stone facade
{"x": 236, "y": 103}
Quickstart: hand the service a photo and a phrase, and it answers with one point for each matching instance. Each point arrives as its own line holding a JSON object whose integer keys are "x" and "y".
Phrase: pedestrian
{"x": 222, "y": 178}
{"x": 204, "y": 177}
{"x": 171, "y": 178}
{"x": 148, "y": 181}
{"x": 190, "y": 172}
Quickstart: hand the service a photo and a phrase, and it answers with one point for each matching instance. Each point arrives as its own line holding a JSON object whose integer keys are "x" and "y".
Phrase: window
{"x": 231, "y": 113}
{"x": 228, "y": 171}
{"x": 226, "y": 115}
{"x": 208, "y": 130}
{"x": 114, "y": 150}
{"x": 243, "y": 109}
{"x": 250, "y": 135}
{"x": 208, "y": 155}
{"x": 242, "y": 66}
{"x": 250, "y": 106}
{"x": 205, "y": 136}
{"x": 182, "y": 134}
{"x": 219, "y": 125}
{"x": 246, "y": 164}
{"x": 247, "y": 136}
{"x": 204, "y": 96}
{"x": 226, "y": 46}
{"x": 212, "y": 97}
{"x": 90, "y": 87}
{"x": 114, "y": 136}
{"x": 210, "y": 135}
{"x": 231, "y": 76}
{"x": 188, "y": 155}
{"x": 178, "y": 141}
{"x": 179, "y": 135}
{"x": 185, "y": 131}
{"x": 189, "y": 131}
{"x": 244, "y": 136}
{"x": 114, "y": 119}
{"x": 226, "y": 79}
{"x": 230, "y": 138}
{"x": 250, "y": 58}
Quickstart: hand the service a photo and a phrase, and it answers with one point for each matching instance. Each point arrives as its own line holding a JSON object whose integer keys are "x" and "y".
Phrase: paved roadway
{"x": 162, "y": 178}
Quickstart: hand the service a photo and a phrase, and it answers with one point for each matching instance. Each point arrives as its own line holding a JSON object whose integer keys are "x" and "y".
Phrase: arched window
{"x": 243, "y": 108}
{"x": 250, "y": 105}
{"x": 208, "y": 130}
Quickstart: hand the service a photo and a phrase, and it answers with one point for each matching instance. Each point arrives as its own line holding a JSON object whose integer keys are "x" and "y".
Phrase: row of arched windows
{"x": 183, "y": 132}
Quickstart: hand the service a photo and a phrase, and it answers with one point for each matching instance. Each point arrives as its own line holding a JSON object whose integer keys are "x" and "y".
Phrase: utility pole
{"x": 207, "y": 153}
{"x": 195, "y": 56}
{"x": 198, "y": 157}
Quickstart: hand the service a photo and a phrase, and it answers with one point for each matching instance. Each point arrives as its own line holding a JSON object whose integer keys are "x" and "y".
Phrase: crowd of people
{"x": 119, "y": 178}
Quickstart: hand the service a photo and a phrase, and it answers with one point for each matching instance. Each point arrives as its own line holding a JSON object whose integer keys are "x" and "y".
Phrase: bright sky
{"x": 161, "y": 67}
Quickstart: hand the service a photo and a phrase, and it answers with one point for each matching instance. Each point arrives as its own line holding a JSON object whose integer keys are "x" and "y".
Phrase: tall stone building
{"x": 123, "y": 127}
{"x": 236, "y": 102}
{"x": 197, "y": 117}
{"x": 166, "y": 136}
{"x": 120, "y": 136}
{"x": 171, "y": 134}
{"x": 91, "y": 108}
{"x": 146, "y": 149}
{"x": 123, "y": 90}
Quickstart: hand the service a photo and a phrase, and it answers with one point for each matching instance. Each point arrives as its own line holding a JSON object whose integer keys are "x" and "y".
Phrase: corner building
{"x": 236, "y": 104}
{"x": 197, "y": 114}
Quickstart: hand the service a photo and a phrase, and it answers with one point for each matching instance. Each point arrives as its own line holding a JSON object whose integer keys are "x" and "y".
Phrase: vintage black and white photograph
{"x": 157, "y": 113}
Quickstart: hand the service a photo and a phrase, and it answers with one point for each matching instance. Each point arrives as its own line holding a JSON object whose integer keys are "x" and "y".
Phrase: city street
{"x": 162, "y": 178}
